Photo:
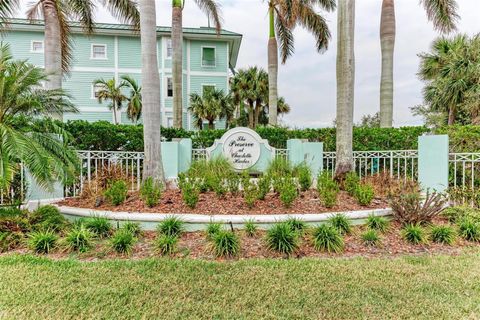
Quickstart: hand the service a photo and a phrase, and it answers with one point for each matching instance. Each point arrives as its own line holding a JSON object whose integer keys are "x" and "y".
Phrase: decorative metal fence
{"x": 464, "y": 170}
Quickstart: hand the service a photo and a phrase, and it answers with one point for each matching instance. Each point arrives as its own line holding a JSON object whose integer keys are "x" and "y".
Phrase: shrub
{"x": 327, "y": 238}
{"x": 171, "y": 226}
{"x": 377, "y": 223}
{"x": 413, "y": 233}
{"x": 122, "y": 241}
{"x": 364, "y": 194}
{"x": 352, "y": 181}
{"x": 226, "y": 243}
{"x": 9, "y": 240}
{"x": 469, "y": 229}
{"x": 341, "y": 223}
{"x": 371, "y": 237}
{"x": 282, "y": 238}
{"x": 166, "y": 244}
{"x": 327, "y": 190}
{"x": 442, "y": 234}
{"x": 410, "y": 209}
{"x": 296, "y": 225}
{"x": 151, "y": 191}
{"x": 250, "y": 228}
{"x": 42, "y": 241}
{"x": 304, "y": 174}
{"x": 48, "y": 217}
{"x": 100, "y": 226}
{"x": 132, "y": 227}
{"x": 250, "y": 192}
{"x": 264, "y": 185}
{"x": 79, "y": 239}
{"x": 455, "y": 214}
{"x": 219, "y": 186}
{"x": 212, "y": 229}
{"x": 190, "y": 194}
{"x": 279, "y": 167}
{"x": 288, "y": 192}
{"x": 117, "y": 193}
{"x": 15, "y": 223}
{"x": 233, "y": 183}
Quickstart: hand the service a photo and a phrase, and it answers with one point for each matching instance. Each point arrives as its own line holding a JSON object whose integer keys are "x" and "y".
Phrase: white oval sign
{"x": 242, "y": 149}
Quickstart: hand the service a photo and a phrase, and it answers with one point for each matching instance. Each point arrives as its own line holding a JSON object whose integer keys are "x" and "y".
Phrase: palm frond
{"x": 316, "y": 24}
{"x": 284, "y": 35}
{"x": 212, "y": 9}
{"x": 7, "y": 10}
{"x": 443, "y": 14}
{"x": 82, "y": 11}
{"x": 123, "y": 10}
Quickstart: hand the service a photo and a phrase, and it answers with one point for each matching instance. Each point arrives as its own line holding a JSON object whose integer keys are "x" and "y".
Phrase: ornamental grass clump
{"x": 341, "y": 223}
{"x": 171, "y": 226}
{"x": 79, "y": 238}
{"x": 364, "y": 194}
{"x": 297, "y": 225}
{"x": 377, "y": 223}
{"x": 166, "y": 244}
{"x": 411, "y": 208}
{"x": 327, "y": 190}
{"x": 469, "y": 229}
{"x": 327, "y": 238}
{"x": 100, "y": 226}
{"x": 250, "y": 228}
{"x": 370, "y": 238}
{"x": 47, "y": 217}
{"x": 122, "y": 241}
{"x": 413, "y": 233}
{"x": 212, "y": 229}
{"x": 43, "y": 241}
{"x": 442, "y": 234}
{"x": 226, "y": 244}
{"x": 150, "y": 192}
{"x": 132, "y": 227}
{"x": 116, "y": 194}
{"x": 281, "y": 238}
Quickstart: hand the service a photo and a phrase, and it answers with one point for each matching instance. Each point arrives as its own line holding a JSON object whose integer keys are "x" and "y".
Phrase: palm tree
{"x": 284, "y": 16}
{"x": 443, "y": 15}
{"x": 56, "y": 13}
{"x": 42, "y": 150}
{"x": 153, "y": 166}
{"x": 345, "y": 87}
{"x": 212, "y": 10}
{"x": 110, "y": 91}
{"x": 134, "y": 100}
{"x": 212, "y": 105}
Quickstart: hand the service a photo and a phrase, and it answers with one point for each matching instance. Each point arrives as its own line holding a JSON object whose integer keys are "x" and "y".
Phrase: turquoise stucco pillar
{"x": 311, "y": 153}
{"x": 433, "y": 162}
{"x": 184, "y": 154}
{"x": 170, "y": 159}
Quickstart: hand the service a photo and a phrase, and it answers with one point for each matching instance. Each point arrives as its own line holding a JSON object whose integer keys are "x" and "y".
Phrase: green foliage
{"x": 212, "y": 229}
{"x": 171, "y": 226}
{"x": 151, "y": 191}
{"x": 341, "y": 223}
{"x": 442, "y": 234}
{"x": 377, "y": 223}
{"x": 117, "y": 192}
{"x": 250, "y": 228}
{"x": 455, "y": 214}
{"x": 233, "y": 182}
{"x": 250, "y": 191}
{"x": 371, "y": 237}
{"x": 42, "y": 241}
{"x": 413, "y": 233}
{"x": 351, "y": 183}
{"x": 48, "y": 217}
{"x": 211, "y": 175}
{"x": 327, "y": 238}
{"x": 132, "y": 227}
{"x": 288, "y": 192}
{"x": 364, "y": 194}
{"x": 279, "y": 167}
{"x": 469, "y": 229}
{"x": 304, "y": 174}
{"x": 9, "y": 240}
{"x": 297, "y": 225}
{"x": 79, "y": 238}
{"x": 327, "y": 190}
{"x": 15, "y": 221}
{"x": 166, "y": 244}
{"x": 282, "y": 238}
{"x": 122, "y": 241}
{"x": 264, "y": 184}
{"x": 226, "y": 244}
{"x": 100, "y": 226}
{"x": 190, "y": 193}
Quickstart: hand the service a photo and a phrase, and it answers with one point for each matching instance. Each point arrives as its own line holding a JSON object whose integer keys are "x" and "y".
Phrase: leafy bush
{"x": 117, "y": 193}
{"x": 327, "y": 190}
{"x": 250, "y": 228}
{"x": 14, "y": 220}
{"x": 132, "y": 227}
{"x": 100, "y": 226}
{"x": 297, "y": 225}
{"x": 341, "y": 223}
{"x": 9, "y": 240}
{"x": 226, "y": 243}
{"x": 304, "y": 174}
{"x": 327, "y": 238}
{"x": 211, "y": 175}
{"x": 442, "y": 234}
{"x": 122, "y": 241}
{"x": 371, "y": 237}
{"x": 288, "y": 192}
{"x": 279, "y": 167}
{"x": 455, "y": 214}
{"x": 166, "y": 244}
{"x": 79, "y": 239}
{"x": 151, "y": 191}
{"x": 413, "y": 233}
{"x": 351, "y": 183}
{"x": 264, "y": 185}
{"x": 377, "y": 223}
{"x": 282, "y": 238}
{"x": 410, "y": 208}
{"x": 469, "y": 229}
{"x": 250, "y": 192}
{"x": 212, "y": 229}
{"x": 190, "y": 194}
{"x": 364, "y": 194}
{"x": 171, "y": 226}
{"x": 48, "y": 217}
{"x": 233, "y": 183}
{"x": 42, "y": 241}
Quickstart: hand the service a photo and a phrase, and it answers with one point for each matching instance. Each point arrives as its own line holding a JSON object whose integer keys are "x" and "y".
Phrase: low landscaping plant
{"x": 371, "y": 237}
{"x": 250, "y": 228}
{"x": 219, "y": 186}
{"x": 304, "y": 175}
{"x": 279, "y": 167}
{"x": 122, "y": 241}
{"x": 10, "y": 240}
{"x": 351, "y": 183}
{"x": 226, "y": 243}
{"x": 250, "y": 192}
{"x": 150, "y": 192}
{"x": 47, "y": 217}
{"x": 171, "y": 226}
{"x": 455, "y": 214}
{"x": 341, "y": 223}
{"x": 364, "y": 194}
{"x": 100, "y": 226}
{"x": 297, "y": 225}
{"x": 469, "y": 229}
{"x": 288, "y": 192}
{"x": 79, "y": 238}
{"x": 442, "y": 234}
{"x": 117, "y": 192}
{"x": 413, "y": 233}
{"x": 327, "y": 190}
{"x": 212, "y": 229}
{"x": 377, "y": 223}
{"x": 42, "y": 241}
{"x": 166, "y": 244}
{"x": 233, "y": 183}
{"x": 282, "y": 238}
{"x": 190, "y": 194}
{"x": 327, "y": 238}
{"x": 264, "y": 184}
{"x": 132, "y": 227}
{"x": 411, "y": 208}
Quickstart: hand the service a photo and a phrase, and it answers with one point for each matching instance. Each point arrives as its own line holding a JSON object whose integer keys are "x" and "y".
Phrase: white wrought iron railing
{"x": 465, "y": 170}
{"x": 199, "y": 154}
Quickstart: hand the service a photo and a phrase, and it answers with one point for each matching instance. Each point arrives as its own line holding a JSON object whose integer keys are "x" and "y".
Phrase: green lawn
{"x": 431, "y": 287}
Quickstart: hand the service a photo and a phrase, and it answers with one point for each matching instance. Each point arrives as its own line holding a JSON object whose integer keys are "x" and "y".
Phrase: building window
{"x": 169, "y": 122}
{"x": 96, "y": 88}
{"x": 37, "y": 46}
{"x": 206, "y": 87}
{"x": 169, "y": 48}
{"x": 169, "y": 87}
{"x": 99, "y": 51}
{"x": 208, "y": 57}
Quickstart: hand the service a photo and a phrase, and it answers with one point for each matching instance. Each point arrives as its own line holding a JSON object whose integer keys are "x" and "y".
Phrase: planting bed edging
{"x": 195, "y": 222}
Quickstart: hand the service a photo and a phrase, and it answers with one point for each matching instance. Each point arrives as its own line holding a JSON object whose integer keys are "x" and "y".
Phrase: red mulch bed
{"x": 210, "y": 203}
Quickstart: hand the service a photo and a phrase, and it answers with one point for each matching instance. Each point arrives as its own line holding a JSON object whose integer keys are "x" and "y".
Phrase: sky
{"x": 308, "y": 79}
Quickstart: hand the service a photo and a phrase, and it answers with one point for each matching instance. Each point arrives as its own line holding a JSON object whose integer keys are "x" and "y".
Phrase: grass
{"x": 426, "y": 287}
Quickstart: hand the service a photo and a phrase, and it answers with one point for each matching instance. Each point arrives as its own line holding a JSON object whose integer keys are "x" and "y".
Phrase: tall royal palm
{"x": 443, "y": 15}
{"x": 284, "y": 16}
{"x": 153, "y": 166}
{"x": 212, "y": 10}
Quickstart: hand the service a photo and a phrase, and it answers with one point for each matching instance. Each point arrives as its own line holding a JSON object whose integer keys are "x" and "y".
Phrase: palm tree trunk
{"x": 251, "y": 116}
{"x": 272, "y": 72}
{"x": 211, "y": 125}
{"x": 153, "y": 166}
{"x": 52, "y": 49}
{"x": 177, "y": 56}
{"x": 451, "y": 116}
{"x": 258, "y": 108}
{"x": 387, "y": 39}
{"x": 115, "y": 119}
{"x": 345, "y": 86}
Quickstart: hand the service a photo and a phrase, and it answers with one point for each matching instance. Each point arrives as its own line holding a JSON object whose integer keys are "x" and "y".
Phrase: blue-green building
{"x": 114, "y": 50}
